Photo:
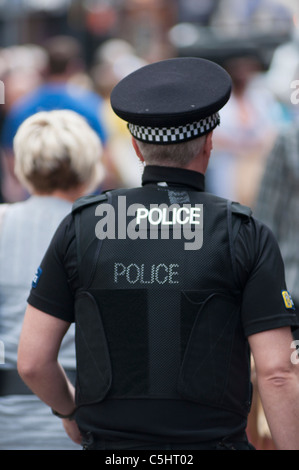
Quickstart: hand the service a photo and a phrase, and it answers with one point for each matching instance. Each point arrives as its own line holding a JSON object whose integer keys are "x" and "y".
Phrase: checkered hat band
{"x": 172, "y": 135}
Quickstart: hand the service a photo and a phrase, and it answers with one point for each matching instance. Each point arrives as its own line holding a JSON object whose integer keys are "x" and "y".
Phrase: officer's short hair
{"x": 178, "y": 154}
{"x": 57, "y": 150}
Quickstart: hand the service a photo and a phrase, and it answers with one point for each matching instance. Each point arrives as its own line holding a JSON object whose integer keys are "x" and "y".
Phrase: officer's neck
{"x": 201, "y": 161}
{"x": 199, "y": 164}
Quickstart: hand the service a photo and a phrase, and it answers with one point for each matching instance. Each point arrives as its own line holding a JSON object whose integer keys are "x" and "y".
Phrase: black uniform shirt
{"x": 261, "y": 276}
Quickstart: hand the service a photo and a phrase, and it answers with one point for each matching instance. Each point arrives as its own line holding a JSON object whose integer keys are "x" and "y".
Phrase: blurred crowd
{"x": 123, "y": 36}
{"x": 52, "y": 77}
{"x": 56, "y": 71}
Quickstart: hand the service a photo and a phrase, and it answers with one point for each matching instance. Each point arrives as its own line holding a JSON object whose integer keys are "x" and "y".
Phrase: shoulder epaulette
{"x": 88, "y": 201}
{"x": 237, "y": 215}
{"x": 239, "y": 209}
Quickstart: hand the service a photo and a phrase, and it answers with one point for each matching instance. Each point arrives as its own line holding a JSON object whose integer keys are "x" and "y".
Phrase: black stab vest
{"x": 154, "y": 319}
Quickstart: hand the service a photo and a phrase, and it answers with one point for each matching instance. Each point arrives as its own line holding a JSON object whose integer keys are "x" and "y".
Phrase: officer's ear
{"x": 137, "y": 150}
{"x": 209, "y": 142}
{"x": 201, "y": 162}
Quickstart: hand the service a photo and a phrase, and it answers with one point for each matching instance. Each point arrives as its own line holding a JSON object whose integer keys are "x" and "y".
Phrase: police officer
{"x": 170, "y": 288}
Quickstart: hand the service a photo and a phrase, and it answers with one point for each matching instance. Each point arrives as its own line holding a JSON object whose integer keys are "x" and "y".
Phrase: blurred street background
{"x": 257, "y": 41}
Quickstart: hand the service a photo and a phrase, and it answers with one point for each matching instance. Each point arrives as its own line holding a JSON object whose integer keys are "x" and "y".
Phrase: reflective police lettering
{"x": 156, "y": 222}
{"x": 169, "y": 215}
{"x": 142, "y": 274}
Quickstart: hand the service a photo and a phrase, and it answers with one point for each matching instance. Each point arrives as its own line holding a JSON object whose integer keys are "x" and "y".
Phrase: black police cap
{"x": 173, "y": 100}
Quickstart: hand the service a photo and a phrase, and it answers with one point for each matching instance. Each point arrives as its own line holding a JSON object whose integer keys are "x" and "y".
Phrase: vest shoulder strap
{"x": 237, "y": 215}
{"x": 241, "y": 210}
{"x": 82, "y": 210}
{"x": 240, "y": 214}
{"x": 86, "y": 201}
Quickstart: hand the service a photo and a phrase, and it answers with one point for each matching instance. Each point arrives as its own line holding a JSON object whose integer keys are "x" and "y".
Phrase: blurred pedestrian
{"x": 249, "y": 126}
{"x": 57, "y": 159}
{"x": 21, "y": 69}
{"x": 277, "y": 203}
{"x": 113, "y": 60}
{"x": 64, "y": 61}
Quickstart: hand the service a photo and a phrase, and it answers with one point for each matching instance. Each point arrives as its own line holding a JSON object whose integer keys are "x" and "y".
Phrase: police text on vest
{"x": 158, "y": 221}
{"x": 144, "y": 274}
{"x": 179, "y": 215}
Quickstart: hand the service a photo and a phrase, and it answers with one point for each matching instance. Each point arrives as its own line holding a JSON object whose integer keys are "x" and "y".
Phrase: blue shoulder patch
{"x": 36, "y": 277}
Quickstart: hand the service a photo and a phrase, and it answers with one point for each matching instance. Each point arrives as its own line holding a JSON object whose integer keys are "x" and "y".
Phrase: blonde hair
{"x": 57, "y": 150}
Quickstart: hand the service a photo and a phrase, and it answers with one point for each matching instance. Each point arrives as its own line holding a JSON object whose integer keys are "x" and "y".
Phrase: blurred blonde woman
{"x": 57, "y": 159}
